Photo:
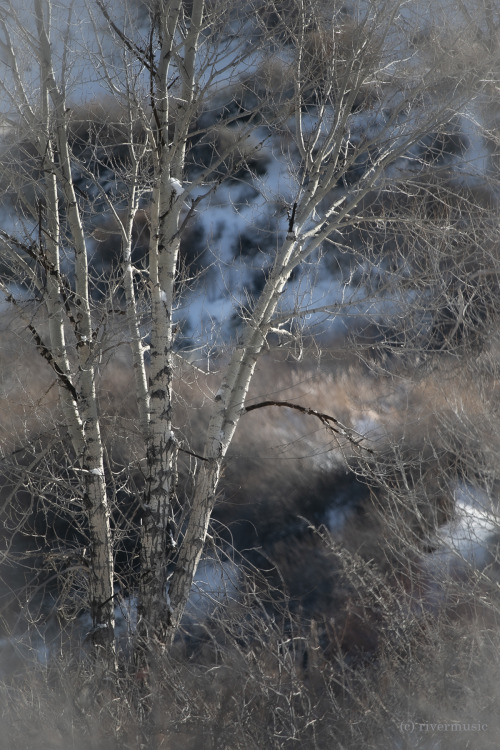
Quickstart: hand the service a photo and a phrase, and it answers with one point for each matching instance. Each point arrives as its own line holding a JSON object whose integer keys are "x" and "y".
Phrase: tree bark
{"x": 87, "y": 440}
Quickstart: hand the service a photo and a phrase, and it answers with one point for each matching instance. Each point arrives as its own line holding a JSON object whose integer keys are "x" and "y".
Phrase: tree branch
{"x": 329, "y": 422}
{"x": 45, "y": 351}
{"x": 137, "y": 51}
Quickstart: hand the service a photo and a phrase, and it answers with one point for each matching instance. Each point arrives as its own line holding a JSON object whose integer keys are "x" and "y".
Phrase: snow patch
{"x": 216, "y": 583}
{"x": 466, "y": 542}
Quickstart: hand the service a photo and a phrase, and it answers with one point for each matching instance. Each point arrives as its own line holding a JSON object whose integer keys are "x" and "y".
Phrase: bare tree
{"x": 47, "y": 121}
{"x": 343, "y": 101}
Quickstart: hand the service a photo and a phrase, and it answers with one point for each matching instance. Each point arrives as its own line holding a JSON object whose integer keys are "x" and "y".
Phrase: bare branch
{"x": 331, "y": 423}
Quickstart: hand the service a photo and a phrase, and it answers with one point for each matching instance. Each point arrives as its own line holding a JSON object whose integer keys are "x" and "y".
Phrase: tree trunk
{"x": 87, "y": 441}
{"x": 157, "y": 532}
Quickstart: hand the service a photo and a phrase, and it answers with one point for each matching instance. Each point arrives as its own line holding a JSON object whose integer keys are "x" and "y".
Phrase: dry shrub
{"x": 332, "y": 55}
{"x": 101, "y": 124}
{"x": 265, "y": 696}
{"x": 27, "y": 397}
{"x": 106, "y": 262}
{"x": 267, "y": 93}
{"x": 438, "y": 245}
{"x": 229, "y": 153}
{"x": 456, "y": 53}
{"x": 333, "y": 633}
{"x": 282, "y": 18}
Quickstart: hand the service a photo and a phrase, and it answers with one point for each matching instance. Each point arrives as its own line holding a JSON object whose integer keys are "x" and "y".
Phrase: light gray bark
{"x": 157, "y": 540}
{"x": 85, "y": 432}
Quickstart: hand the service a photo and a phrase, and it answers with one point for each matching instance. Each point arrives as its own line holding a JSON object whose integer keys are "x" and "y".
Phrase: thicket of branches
{"x": 299, "y": 402}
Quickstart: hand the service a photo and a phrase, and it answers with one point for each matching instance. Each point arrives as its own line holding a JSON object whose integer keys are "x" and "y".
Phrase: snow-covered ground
{"x": 463, "y": 547}
{"x": 469, "y": 539}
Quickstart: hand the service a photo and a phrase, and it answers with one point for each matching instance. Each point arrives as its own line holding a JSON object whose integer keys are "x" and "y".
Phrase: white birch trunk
{"x": 53, "y": 294}
{"x": 157, "y": 541}
{"x": 153, "y": 608}
{"x": 136, "y": 344}
{"x": 89, "y": 448}
{"x": 228, "y": 408}
{"x": 230, "y": 400}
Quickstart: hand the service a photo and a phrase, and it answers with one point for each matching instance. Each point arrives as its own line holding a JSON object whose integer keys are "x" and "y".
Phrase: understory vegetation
{"x": 346, "y": 591}
{"x": 249, "y": 374}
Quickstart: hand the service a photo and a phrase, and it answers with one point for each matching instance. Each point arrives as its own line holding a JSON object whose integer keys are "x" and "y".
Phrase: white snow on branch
{"x": 176, "y": 187}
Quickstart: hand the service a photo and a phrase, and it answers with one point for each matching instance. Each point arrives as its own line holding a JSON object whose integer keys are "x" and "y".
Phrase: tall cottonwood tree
{"x": 348, "y": 107}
